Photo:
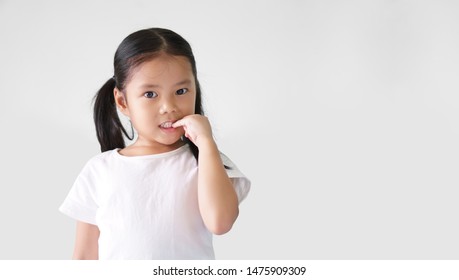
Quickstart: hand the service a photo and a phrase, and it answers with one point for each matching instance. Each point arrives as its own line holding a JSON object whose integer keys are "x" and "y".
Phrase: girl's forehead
{"x": 165, "y": 61}
{"x": 162, "y": 69}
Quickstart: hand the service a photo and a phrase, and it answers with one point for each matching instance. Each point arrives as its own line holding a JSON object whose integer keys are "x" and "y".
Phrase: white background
{"x": 344, "y": 114}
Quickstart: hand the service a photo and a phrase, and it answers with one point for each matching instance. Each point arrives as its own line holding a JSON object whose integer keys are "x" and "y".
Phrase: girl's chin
{"x": 173, "y": 141}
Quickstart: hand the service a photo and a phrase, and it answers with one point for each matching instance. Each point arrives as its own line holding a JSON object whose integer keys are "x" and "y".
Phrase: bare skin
{"x": 86, "y": 243}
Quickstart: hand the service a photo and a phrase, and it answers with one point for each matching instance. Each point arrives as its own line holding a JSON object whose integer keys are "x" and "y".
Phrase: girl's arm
{"x": 218, "y": 201}
{"x": 217, "y": 198}
{"x": 86, "y": 243}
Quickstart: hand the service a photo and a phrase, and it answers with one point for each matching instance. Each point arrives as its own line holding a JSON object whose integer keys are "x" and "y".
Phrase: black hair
{"x": 136, "y": 48}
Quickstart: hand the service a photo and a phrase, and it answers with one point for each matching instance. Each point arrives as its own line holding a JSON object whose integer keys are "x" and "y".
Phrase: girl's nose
{"x": 167, "y": 107}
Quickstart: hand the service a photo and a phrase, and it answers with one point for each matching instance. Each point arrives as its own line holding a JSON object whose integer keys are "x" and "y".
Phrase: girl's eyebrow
{"x": 184, "y": 82}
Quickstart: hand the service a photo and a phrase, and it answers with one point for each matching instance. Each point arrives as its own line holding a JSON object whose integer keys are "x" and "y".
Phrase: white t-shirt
{"x": 146, "y": 207}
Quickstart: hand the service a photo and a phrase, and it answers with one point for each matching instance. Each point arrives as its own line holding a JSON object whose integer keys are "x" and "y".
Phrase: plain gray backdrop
{"x": 344, "y": 115}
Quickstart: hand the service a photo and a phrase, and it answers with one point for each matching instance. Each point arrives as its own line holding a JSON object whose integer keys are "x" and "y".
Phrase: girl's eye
{"x": 150, "y": 94}
{"x": 182, "y": 91}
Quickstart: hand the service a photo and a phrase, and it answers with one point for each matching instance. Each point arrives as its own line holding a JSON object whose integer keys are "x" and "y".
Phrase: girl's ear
{"x": 120, "y": 101}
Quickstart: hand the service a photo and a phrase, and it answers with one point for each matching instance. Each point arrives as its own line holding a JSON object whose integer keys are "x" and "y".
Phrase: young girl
{"x": 166, "y": 194}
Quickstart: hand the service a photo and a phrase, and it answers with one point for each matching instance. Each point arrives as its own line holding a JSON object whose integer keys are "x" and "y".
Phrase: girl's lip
{"x": 168, "y": 129}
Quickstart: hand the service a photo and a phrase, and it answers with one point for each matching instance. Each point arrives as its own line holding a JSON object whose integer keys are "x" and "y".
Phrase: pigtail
{"x": 194, "y": 149}
{"x": 108, "y": 125}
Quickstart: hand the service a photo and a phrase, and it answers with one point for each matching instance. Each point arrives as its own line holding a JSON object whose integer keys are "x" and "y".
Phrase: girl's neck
{"x": 141, "y": 149}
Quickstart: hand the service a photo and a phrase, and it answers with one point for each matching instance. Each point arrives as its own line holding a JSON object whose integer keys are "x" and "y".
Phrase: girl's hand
{"x": 197, "y": 128}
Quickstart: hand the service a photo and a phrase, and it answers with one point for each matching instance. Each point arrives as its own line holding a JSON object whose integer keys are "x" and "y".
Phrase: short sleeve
{"x": 240, "y": 182}
{"x": 80, "y": 203}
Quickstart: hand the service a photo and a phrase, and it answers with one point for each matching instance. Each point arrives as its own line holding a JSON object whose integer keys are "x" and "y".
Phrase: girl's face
{"x": 160, "y": 92}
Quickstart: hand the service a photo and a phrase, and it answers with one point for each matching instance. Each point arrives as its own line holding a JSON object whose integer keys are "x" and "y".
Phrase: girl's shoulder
{"x": 104, "y": 155}
{"x": 102, "y": 159}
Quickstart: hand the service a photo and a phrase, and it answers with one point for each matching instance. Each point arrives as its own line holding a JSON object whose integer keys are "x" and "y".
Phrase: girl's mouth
{"x": 167, "y": 124}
